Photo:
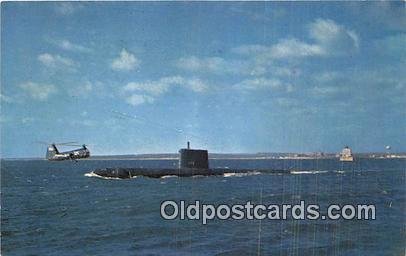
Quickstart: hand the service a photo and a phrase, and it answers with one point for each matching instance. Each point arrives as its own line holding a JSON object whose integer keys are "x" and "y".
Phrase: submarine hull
{"x": 127, "y": 173}
{"x": 192, "y": 162}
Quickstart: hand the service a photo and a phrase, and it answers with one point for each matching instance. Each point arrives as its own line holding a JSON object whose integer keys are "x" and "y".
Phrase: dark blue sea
{"x": 52, "y": 208}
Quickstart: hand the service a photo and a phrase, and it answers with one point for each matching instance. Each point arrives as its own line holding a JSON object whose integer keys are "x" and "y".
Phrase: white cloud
{"x": 326, "y": 90}
{"x": 67, "y": 8}
{"x": 333, "y": 38}
{"x": 329, "y": 39}
{"x": 382, "y": 82}
{"x": 285, "y": 48}
{"x": 6, "y": 99}
{"x": 151, "y": 87}
{"x": 195, "y": 64}
{"x": 162, "y": 85}
{"x": 39, "y": 92}
{"x": 257, "y": 66}
{"x": 215, "y": 65}
{"x": 88, "y": 87}
{"x": 286, "y": 71}
{"x": 81, "y": 90}
{"x": 392, "y": 47}
{"x": 57, "y": 61}
{"x": 384, "y": 14}
{"x": 290, "y": 88}
{"x": 326, "y": 77}
{"x": 125, "y": 62}
{"x": 220, "y": 66}
{"x": 144, "y": 92}
{"x": 69, "y": 46}
{"x": 261, "y": 84}
{"x": 138, "y": 99}
{"x": 293, "y": 48}
{"x": 287, "y": 102}
{"x": 250, "y": 49}
{"x": 196, "y": 85}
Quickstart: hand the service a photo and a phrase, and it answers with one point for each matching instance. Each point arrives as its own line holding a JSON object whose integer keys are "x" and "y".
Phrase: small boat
{"x": 346, "y": 155}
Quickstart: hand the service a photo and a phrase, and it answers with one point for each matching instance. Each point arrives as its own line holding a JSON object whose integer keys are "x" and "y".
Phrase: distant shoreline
{"x": 237, "y": 156}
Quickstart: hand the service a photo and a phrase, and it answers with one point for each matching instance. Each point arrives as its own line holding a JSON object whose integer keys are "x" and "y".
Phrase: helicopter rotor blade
{"x": 66, "y": 143}
{"x": 42, "y": 142}
{"x": 79, "y": 145}
{"x": 73, "y": 143}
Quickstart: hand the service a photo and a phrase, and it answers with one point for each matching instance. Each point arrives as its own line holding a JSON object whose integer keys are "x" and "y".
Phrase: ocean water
{"x": 52, "y": 208}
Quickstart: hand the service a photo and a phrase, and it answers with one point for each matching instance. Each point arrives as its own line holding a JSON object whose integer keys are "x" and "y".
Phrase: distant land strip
{"x": 232, "y": 156}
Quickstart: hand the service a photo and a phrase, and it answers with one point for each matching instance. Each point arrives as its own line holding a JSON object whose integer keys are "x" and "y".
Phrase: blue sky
{"x": 145, "y": 77}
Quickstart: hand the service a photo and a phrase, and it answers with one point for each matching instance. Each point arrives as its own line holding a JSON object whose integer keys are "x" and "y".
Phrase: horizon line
{"x": 315, "y": 153}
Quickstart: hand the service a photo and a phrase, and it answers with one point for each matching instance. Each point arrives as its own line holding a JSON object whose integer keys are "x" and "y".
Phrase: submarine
{"x": 192, "y": 162}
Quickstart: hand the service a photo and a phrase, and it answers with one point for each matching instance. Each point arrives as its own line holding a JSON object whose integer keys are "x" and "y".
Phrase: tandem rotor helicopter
{"x": 53, "y": 153}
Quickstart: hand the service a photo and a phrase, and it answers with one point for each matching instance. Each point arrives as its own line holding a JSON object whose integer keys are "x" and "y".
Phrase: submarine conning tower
{"x": 193, "y": 158}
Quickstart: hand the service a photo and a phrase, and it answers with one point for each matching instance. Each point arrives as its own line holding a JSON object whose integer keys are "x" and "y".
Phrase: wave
{"x": 198, "y": 176}
{"x": 307, "y": 172}
{"x": 240, "y": 174}
{"x": 169, "y": 176}
{"x": 94, "y": 175}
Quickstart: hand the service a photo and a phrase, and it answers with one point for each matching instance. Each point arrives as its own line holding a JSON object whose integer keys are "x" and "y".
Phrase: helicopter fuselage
{"x": 54, "y": 155}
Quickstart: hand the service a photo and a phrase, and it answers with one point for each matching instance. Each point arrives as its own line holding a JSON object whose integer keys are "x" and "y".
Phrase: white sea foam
{"x": 94, "y": 175}
{"x": 307, "y": 172}
{"x": 240, "y": 174}
{"x": 198, "y": 176}
{"x": 169, "y": 176}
